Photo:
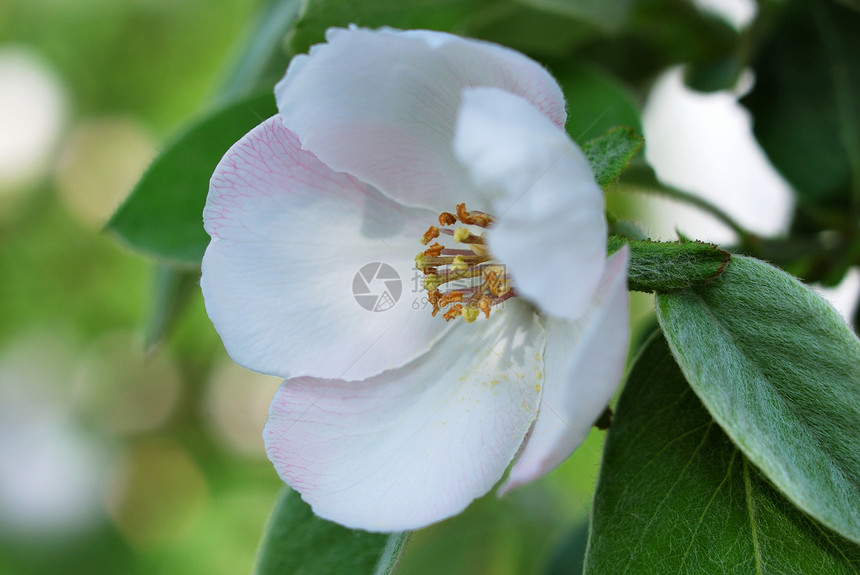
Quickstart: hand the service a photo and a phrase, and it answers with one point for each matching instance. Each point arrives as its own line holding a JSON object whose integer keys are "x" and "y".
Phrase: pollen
{"x": 460, "y": 234}
{"x": 459, "y": 264}
{"x": 432, "y": 282}
{"x": 461, "y": 277}
{"x": 470, "y": 314}
{"x": 464, "y": 236}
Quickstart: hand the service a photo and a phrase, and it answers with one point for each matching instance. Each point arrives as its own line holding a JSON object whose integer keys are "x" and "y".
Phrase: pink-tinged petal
{"x": 288, "y": 238}
{"x": 381, "y": 105}
{"x": 415, "y": 445}
{"x": 550, "y": 230}
{"x": 584, "y": 364}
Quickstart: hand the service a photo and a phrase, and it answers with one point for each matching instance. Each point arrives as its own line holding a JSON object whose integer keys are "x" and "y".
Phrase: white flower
{"x": 395, "y": 419}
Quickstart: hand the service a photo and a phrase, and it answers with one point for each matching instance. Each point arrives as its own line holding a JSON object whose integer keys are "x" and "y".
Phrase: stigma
{"x": 462, "y": 278}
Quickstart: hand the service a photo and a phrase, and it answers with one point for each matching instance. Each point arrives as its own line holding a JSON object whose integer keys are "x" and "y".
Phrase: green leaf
{"x": 297, "y": 542}
{"x": 319, "y": 15}
{"x": 676, "y": 496}
{"x": 173, "y": 289}
{"x": 597, "y": 102}
{"x": 719, "y": 74}
{"x": 263, "y": 59}
{"x": 606, "y": 15}
{"x": 853, "y": 4}
{"x": 528, "y": 29}
{"x": 660, "y": 34}
{"x": 569, "y": 557}
{"x": 163, "y": 216}
{"x": 610, "y": 154}
{"x": 806, "y": 101}
{"x": 779, "y": 370}
{"x": 670, "y": 266}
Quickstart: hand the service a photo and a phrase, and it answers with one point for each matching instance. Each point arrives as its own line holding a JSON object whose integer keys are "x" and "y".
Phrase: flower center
{"x": 465, "y": 277}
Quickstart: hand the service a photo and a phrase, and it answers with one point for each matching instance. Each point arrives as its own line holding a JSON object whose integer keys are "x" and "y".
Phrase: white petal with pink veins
{"x": 584, "y": 364}
{"x": 288, "y": 237}
{"x": 550, "y": 230}
{"x": 415, "y": 445}
{"x": 381, "y": 105}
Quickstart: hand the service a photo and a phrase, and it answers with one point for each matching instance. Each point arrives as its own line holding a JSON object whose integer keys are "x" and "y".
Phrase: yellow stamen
{"x": 485, "y": 283}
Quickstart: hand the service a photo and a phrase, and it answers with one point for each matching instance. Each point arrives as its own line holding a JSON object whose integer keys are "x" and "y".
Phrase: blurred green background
{"x": 113, "y": 458}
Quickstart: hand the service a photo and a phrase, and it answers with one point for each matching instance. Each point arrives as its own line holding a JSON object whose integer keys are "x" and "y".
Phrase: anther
{"x": 433, "y": 298}
{"x": 481, "y": 283}
{"x": 475, "y": 218}
{"x": 434, "y": 251}
{"x": 495, "y": 282}
{"x": 447, "y": 218}
{"x": 455, "y": 311}
{"x": 450, "y": 297}
{"x": 431, "y": 234}
{"x": 484, "y": 304}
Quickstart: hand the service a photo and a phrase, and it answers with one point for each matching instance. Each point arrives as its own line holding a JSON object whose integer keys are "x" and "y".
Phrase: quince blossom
{"x": 396, "y": 419}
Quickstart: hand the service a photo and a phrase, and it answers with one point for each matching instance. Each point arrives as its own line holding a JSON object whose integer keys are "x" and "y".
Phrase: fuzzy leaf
{"x": 779, "y": 370}
{"x": 610, "y": 154}
{"x": 670, "y": 266}
{"x": 676, "y": 496}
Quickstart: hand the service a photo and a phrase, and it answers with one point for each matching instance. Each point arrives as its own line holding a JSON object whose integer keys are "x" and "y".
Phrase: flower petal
{"x": 584, "y": 364}
{"x": 415, "y": 445}
{"x": 551, "y": 229}
{"x": 288, "y": 239}
{"x": 381, "y": 105}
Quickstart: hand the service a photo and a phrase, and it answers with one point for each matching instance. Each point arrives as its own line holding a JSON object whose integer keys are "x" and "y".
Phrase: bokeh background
{"x": 117, "y": 456}
{"x": 114, "y": 458}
